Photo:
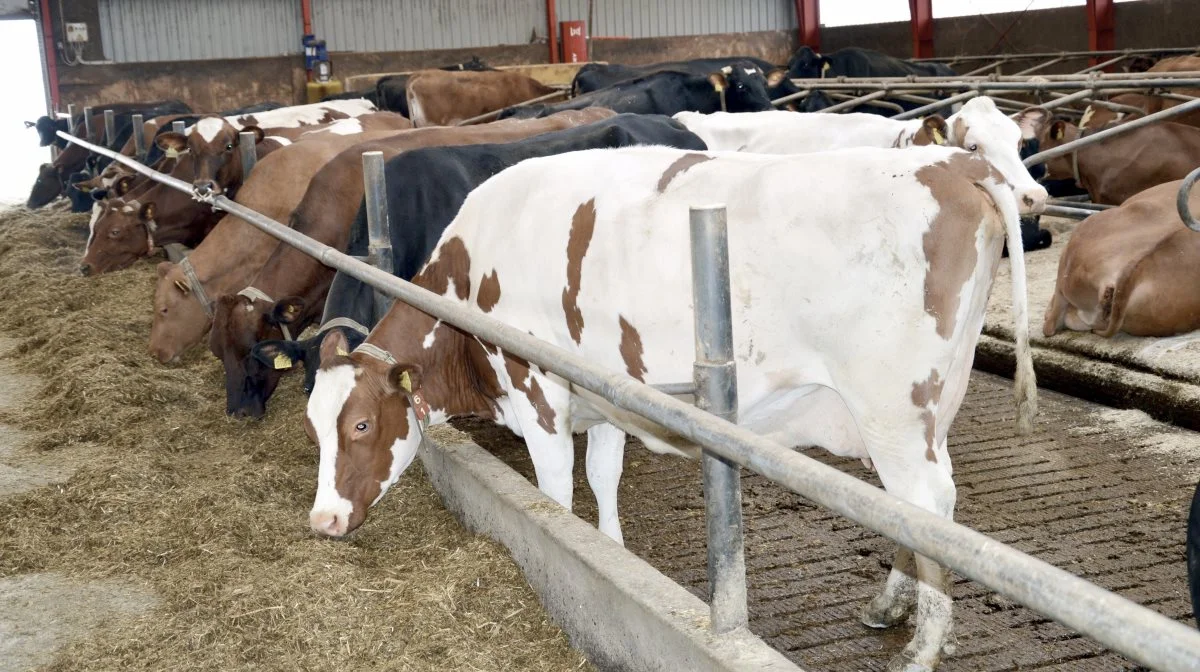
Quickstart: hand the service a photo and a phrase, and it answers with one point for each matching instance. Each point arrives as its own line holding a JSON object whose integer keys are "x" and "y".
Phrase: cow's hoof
{"x": 905, "y": 663}
{"x": 878, "y": 615}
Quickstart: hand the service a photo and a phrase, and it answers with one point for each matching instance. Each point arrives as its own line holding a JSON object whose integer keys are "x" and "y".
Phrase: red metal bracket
{"x": 808, "y": 21}
{"x": 51, "y": 56}
{"x": 921, "y": 13}
{"x": 552, "y": 28}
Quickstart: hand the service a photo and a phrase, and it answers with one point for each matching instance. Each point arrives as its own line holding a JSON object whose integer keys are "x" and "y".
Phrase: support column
{"x": 1101, "y": 27}
{"x": 921, "y": 18}
{"x": 808, "y": 22}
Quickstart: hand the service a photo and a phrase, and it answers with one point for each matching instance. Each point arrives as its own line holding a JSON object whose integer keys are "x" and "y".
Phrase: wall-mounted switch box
{"x": 77, "y": 32}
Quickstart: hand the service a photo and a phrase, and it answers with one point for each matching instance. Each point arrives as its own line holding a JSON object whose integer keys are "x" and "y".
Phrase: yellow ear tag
{"x": 172, "y": 153}
{"x": 406, "y": 382}
{"x": 282, "y": 361}
{"x": 717, "y": 87}
{"x": 938, "y": 137}
{"x": 825, "y": 68}
{"x": 342, "y": 352}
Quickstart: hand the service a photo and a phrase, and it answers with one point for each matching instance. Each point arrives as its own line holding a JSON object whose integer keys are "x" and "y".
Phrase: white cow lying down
{"x": 855, "y": 317}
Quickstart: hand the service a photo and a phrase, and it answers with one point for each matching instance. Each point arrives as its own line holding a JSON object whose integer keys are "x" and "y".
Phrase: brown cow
{"x": 1119, "y": 167}
{"x": 439, "y": 98}
{"x": 326, "y": 214}
{"x": 232, "y": 254}
{"x": 1132, "y": 269}
{"x": 1097, "y": 116}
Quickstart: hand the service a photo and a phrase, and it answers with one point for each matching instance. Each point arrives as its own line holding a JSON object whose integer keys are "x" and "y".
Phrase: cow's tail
{"x": 1024, "y": 380}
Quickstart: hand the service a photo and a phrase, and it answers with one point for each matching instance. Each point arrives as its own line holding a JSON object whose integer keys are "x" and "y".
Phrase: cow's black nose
{"x": 208, "y": 186}
{"x": 85, "y": 269}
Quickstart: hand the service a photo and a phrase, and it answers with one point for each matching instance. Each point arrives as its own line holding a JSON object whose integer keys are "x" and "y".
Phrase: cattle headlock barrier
{"x": 1120, "y": 624}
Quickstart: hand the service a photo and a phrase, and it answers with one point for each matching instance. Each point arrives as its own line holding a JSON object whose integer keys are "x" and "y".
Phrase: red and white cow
{"x": 978, "y": 127}
{"x": 596, "y": 262}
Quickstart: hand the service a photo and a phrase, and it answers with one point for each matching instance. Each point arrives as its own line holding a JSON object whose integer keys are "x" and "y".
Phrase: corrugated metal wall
{"x": 410, "y": 25}
{"x": 181, "y": 30}
{"x": 665, "y": 18}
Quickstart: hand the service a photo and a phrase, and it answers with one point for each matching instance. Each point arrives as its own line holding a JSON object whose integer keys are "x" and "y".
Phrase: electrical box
{"x": 76, "y": 33}
{"x": 574, "y": 41}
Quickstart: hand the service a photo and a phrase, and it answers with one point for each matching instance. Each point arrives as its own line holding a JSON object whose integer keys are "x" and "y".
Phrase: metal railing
{"x": 1135, "y": 631}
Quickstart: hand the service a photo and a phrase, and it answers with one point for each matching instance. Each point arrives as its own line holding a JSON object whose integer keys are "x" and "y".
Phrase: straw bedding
{"x": 210, "y": 513}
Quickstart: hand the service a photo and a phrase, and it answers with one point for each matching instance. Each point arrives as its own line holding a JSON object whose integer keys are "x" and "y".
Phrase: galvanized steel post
{"x": 87, "y": 123}
{"x": 715, "y": 375}
{"x": 71, "y": 118}
{"x": 379, "y": 249}
{"x": 110, "y": 128}
{"x": 178, "y": 126}
{"x": 246, "y": 145}
{"x": 139, "y": 136}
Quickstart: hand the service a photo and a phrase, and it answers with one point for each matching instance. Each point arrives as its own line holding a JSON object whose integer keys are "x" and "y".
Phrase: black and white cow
{"x": 737, "y": 88}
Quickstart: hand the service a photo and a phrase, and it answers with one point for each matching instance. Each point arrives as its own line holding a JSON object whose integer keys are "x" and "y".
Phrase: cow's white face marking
{"x": 1087, "y": 116}
{"x": 749, "y": 71}
{"x": 330, "y": 392}
{"x": 97, "y": 210}
{"x": 429, "y": 338}
{"x": 209, "y": 127}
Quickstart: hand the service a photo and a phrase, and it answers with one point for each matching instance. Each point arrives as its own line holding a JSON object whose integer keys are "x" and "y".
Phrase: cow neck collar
{"x": 1083, "y": 132}
{"x": 343, "y": 322}
{"x": 197, "y": 288}
{"x": 255, "y": 294}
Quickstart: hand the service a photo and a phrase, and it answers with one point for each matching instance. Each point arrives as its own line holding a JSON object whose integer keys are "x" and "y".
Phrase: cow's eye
{"x": 972, "y": 148}
{"x": 360, "y": 427}
{"x": 114, "y": 233}
{"x": 229, "y": 147}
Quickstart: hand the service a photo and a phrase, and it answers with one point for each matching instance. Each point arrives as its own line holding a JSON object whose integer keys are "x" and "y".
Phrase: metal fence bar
{"x": 1040, "y": 66}
{"x": 139, "y": 136}
{"x": 110, "y": 128}
{"x": 1181, "y": 201}
{"x": 1128, "y": 628}
{"x": 488, "y": 116}
{"x": 855, "y": 102}
{"x": 1079, "y": 204}
{"x": 715, "y": 375}
{"x": 925, "y": 109}
{"x": 379, "y": 246}
{"x": 71, "y": 118}
{"x": 249, "y": 152}
{"x": 996, "y": 85}
{"x": 87, "y": 123}
{"x": 1064, "y": 99}
{"x": 178, "y": 126}
{"x": 1068, "y": 147}
{"x": 987, "y": 67}
{"x": 1068, "y": 211}
{"x": 874, "y": 103}
{"x": 1105, "y": 64}
{"x": 1052, "y": 54}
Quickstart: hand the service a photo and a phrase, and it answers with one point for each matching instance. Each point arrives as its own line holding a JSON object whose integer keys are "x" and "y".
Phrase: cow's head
{"x": 743, "y": 86}
{"x": 120, "y": 236}
{"x": 1044, "y": 132}
{"x": 212, "y": 145}
{"x": 180, "y": 320}
{"x": 281, "y": 354}
{"x": 47, "y": 187}
{"x": 981, "y": 128}
{"x": 806, "y": 64}
{"x": 47, "y": 129}
{"x": 240, "y": 322}
{"x": 361, "y": 415}
{"x": 81, "y": 196}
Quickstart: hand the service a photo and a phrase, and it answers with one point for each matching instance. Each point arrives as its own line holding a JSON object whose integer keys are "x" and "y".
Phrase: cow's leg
{"x": 605, "y": 450}
{"x": 907, "y": 473}
{"x": 545, "y": 424}
{"x": 899, "y": 596}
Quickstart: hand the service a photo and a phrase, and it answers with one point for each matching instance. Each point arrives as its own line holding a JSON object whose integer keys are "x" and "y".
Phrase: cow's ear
{"x": 163, "y": 268}
{"x": 278, "y": 355}
{"x": 404, "y": 378}
{"x": 776, "y": 76}
{"x": 30, "y": 124}
{"x": 146, "y": 212}
{"x": 99, "y": 194}
{"x": 123, "y": 185}
{"x": 718, "y": 81}
{"x": 334, "y": 345}
{"x": 936, "y": 127}
{"x": 259, "y": 133}
{"x": 1031, "y": 121}
{"x": 1058, "y": 130}
{"x": 287, "y": 310}
{"x": 172, "y": 143}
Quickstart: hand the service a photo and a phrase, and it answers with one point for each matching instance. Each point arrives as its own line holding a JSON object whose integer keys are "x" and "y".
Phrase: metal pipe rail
{"x": 1191, "y": 82}
{"x": 943, "y": 79}
{"x": 1055, "y": 54}
{"x": 1128, "y": 628}
{"x": 1181, "y": 201}
{"x": 1068, "y": 147}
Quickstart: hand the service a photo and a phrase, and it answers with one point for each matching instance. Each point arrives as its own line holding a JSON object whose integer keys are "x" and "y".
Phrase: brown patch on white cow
{"x": 518, "y": 372}
{"x": 452, "y": 265}
{"x": 925, "y": 394}
{"x": 949, "y": 244}
{"x": 583, "y": 223}
{"x": 631, "y": 350}
{"x": 678, "y": 166}
{"x": 331, "y": 115}
{"x": 248, "y": 120}
{"x": 489, "y": 292}
{"x": 933, "y": 131}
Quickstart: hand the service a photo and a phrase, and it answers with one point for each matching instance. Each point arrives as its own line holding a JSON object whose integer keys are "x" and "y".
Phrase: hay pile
{"x": 211, "y": 513}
